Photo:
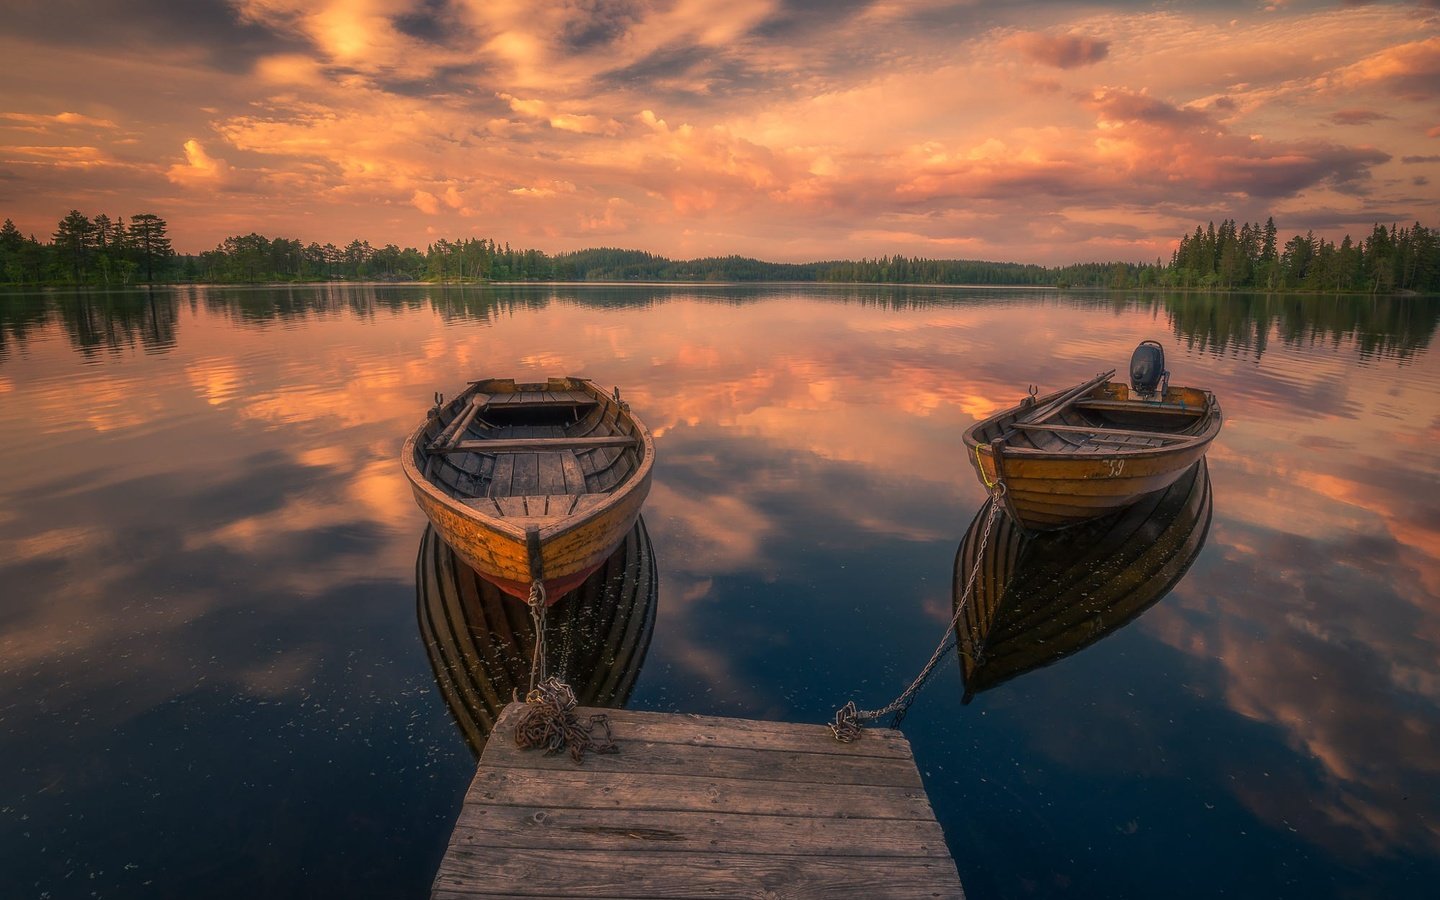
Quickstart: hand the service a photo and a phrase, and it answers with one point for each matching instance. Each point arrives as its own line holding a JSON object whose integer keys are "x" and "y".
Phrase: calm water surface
{"x": 212, "y": 681}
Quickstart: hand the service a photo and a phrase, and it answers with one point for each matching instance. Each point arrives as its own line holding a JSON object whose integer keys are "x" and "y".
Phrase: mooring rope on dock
{"x": 849, "y": 719}
{"x": 549, "y": 720}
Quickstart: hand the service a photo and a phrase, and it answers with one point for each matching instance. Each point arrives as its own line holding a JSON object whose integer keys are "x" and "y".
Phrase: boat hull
{"x": 502, "y": 557}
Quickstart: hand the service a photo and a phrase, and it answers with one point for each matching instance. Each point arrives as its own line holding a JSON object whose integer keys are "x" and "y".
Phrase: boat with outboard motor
{"x": 1086, "y": 451}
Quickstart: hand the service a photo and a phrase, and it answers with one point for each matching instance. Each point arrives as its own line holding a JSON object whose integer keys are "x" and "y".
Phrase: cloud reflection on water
{"x": 246, "y": 471}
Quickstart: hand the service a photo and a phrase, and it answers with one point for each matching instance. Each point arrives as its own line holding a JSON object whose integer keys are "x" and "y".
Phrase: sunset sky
{"x": 782, "y": 129}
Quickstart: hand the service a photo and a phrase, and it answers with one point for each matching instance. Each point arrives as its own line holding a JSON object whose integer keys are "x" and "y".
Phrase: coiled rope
{"x": 548, "y": 720}
{"x": 850, "y": 721}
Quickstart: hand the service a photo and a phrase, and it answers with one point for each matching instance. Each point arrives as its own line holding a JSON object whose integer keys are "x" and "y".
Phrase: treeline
{"x": 113, "y": 252}
{"x": 1247, "y": 258}
{"x": 83, "y": 250}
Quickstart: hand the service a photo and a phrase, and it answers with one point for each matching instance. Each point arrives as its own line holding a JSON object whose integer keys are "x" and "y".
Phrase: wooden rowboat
{"x": 480, "y": 641}
{"x": 1100, "y": 446}
{"x": 1037, "y": 599}
{"x": 531, "y": 482}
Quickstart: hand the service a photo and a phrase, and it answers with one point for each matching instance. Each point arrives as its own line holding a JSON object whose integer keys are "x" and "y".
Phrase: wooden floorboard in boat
{"x": 699, "y": 807}
{"x": 552, "y": 473}
{"x": 570, "y": 468}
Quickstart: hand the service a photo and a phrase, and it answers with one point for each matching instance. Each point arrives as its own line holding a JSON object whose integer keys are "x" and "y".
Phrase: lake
{"x": 213, "y": 680}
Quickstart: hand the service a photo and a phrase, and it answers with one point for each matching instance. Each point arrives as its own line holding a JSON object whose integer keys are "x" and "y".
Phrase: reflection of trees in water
{"x": 283, "y": 303}
{"x": 1390, "y": 327}
{"x": 20, "y": 314}
{"x": 1385, "y": 326}
{"x": 104, "y": 320}
{"x": 484, "y": 304}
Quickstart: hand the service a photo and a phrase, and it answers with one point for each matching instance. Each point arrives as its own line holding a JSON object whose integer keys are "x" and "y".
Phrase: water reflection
{"x": 480, "y": 640}
{"x": 1229, "y": 323}
{"x": 94, "y": 321}
{"x": 1038, "y": 599}
{"x": 208, "y": 559}
{"x": 1216, "y": 324}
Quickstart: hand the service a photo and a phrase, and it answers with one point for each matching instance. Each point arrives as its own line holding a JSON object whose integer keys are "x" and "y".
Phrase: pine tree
{"x": 74, "y": 238}
{"x": 151, "y": 244}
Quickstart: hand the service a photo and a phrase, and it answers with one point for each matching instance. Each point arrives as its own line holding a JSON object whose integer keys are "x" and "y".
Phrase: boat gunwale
{"x": 507, "y": 528}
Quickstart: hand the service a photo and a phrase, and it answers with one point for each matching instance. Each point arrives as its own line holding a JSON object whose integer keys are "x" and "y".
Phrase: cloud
{"x": 42, "y": 122}
{"x": 426, "y": 202}
{"x": 1357, "y": 116}
{"x": 580, "y": 123}
{"x": 200, "y": 169}
{"x": 1410, "y": 70}
{"x": 943, "y": 128}
{"x": 1065, "y": 51}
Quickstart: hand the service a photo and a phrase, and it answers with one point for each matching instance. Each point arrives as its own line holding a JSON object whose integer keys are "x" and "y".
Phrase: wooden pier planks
{"x": 696, "y": 806}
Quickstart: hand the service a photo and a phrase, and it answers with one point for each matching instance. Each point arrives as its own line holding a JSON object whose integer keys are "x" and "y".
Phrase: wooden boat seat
{"x": 1174, "y": 409}
{"x": 538, "y": 445}
{"x": 519, "y": 399}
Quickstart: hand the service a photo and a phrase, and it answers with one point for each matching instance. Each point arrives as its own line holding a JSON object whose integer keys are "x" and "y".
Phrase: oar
{"x": 1070, "y": 396}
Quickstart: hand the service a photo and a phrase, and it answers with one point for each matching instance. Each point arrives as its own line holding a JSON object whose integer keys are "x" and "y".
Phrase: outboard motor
{"x": 1147, "y": 370}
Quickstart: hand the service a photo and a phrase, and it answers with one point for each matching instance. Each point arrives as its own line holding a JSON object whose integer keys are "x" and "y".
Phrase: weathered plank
{"x": 552, "y": 474}
{"x": 534, "y": 444}
{"x": 699, "y": 807}
{"x": 751, "y": 734}
{"x": 539, "y": 872}
{"x": 501, "y": 477}
{"x": 717, "y": 831}
{"x": 693, "y": 793}
{"x": 570, "y": 468}
{"x": 526, "y": 479}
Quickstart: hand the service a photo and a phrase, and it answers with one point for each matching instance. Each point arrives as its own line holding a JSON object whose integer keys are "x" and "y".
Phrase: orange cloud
{"x": 1410, "y": 70}
{"x": 200, "y": 169}
{"x": 42, "y": 122}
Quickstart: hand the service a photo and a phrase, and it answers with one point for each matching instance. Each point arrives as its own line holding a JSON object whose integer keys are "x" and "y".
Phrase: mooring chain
{"x": 537, "y": 619}
{"x": 549, "y": 720}
{"x": 849, "y": 720}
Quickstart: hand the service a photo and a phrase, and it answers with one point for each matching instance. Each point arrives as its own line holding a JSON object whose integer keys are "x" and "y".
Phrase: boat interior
{"x": 1105, "y": 420}
{"x": 530, "y": 450}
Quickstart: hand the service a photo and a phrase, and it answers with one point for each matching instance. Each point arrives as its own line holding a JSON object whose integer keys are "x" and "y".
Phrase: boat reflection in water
{"x": 1038, "y": 599}
{"x": 480, "y": 639}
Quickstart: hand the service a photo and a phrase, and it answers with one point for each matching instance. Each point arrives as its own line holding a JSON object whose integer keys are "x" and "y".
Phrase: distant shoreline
{"x": 11, "y": 289}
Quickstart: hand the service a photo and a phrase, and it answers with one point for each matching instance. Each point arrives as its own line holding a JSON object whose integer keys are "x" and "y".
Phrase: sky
{"x": 788, "y": 130}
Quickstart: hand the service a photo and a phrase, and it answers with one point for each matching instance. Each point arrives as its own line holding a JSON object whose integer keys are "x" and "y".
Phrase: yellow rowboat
{"x": 480, "y": 641}
{"x": 531, "y": 482}
{"x": 1037, "y": 599}
{"x": 1100, "y": 446}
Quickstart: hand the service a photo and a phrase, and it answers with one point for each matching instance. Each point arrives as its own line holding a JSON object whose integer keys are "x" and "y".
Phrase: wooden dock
{"x": 696, "y": 806}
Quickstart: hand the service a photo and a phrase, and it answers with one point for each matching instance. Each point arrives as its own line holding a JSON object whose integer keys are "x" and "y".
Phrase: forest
{"x": 103, "y": 252}
{"x": 1248, "y": 258}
